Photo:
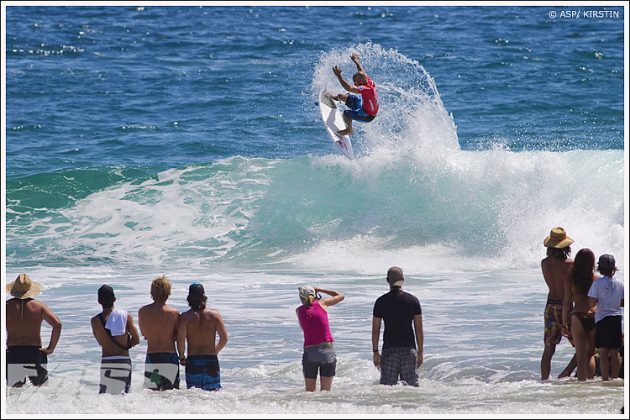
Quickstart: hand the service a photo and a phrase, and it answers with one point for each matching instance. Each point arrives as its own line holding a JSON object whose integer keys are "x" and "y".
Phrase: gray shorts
{"x": 320, "y": 357}
{"x": 399, "y": 362}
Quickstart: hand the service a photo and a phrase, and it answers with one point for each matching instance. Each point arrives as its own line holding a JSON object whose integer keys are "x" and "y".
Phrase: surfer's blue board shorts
{"x": 203, "y": 372}
{"x": 356, "y": 112}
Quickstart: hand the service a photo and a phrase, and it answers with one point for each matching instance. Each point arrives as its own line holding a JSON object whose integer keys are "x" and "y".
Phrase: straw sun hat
{"x": 557, "y": 239}
{"x": 23, "y": 287}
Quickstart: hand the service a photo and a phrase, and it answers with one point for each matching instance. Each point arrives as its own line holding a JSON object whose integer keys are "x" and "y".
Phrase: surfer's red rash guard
{"x": 369, "y": 96}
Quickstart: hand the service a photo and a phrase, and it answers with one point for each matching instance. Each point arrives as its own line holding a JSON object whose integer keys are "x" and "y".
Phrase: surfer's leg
{"x": 348, "y": 129}
{"x": 355, "y": 112}
{"x": 340, "y": 97}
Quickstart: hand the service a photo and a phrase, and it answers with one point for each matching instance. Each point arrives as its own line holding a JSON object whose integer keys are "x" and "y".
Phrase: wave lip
{"x": 464, "y": 208}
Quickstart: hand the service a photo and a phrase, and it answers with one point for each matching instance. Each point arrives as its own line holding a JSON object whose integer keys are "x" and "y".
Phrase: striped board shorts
{"x": 115, "y": 375}
{"x": 203, "y": 372}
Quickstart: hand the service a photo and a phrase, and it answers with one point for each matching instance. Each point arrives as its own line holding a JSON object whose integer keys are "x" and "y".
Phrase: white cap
{"x": 306, "y": 291}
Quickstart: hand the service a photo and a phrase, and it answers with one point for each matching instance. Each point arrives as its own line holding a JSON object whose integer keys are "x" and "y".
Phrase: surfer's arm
{"x": 355, "y": 58}
{"x": 347, "y": 86}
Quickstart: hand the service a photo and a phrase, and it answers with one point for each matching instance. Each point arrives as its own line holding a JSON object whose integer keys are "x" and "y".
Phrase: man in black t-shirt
{"x": 399, "y": 310}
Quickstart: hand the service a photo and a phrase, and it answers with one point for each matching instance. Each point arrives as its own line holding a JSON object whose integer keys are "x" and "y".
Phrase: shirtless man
{"x": 116, "y": 333}
{"x": 25, "y": 356}
{"x": 158, "y": 325}
{"x": 555, "y": 268}
{"x": 198, "y": 327}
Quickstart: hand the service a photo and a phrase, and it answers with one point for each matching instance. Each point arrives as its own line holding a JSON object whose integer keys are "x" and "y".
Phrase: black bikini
{"x": 586, "y": 319}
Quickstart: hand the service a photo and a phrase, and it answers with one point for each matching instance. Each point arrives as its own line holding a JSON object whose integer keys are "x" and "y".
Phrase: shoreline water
{"x": 480, "y": 343}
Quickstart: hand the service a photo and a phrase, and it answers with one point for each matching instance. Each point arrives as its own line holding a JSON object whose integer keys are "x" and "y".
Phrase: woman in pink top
{"x": 319, "y": 353}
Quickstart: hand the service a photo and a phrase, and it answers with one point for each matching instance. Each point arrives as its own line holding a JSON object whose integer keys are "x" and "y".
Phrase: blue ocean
{"x": 187, "y": 141}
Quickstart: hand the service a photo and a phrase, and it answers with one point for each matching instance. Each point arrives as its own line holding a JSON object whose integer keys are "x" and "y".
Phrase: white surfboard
{"x": 333, "y": 121}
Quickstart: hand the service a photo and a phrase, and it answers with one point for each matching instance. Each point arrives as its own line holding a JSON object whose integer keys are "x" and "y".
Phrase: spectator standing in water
{"x": 555, "y": 268}
{"x": 319, "y": 353}
{"x": 607, "y": 293}
{"x": 402, "y": 314}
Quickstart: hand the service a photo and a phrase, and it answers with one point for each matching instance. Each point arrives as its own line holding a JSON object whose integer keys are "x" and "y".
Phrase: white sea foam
{"x": 469, "y": 208}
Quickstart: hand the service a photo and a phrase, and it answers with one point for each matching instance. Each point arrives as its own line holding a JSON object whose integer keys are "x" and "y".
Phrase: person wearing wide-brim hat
{"x": 26, "y": 358}
{"x": 555, "y": 268}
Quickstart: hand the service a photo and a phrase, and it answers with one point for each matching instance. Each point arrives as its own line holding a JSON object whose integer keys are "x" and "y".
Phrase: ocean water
{"x": 187, "y": 141}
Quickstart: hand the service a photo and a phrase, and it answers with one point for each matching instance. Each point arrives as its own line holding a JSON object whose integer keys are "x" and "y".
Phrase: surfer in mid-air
{"x": 362, "y": 107}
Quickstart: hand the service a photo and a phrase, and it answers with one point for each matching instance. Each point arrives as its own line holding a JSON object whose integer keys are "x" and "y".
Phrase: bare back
{"x": 24, "y": 321}
{"x": 158, "y": 325}
{"x": 200, "y": 329}
{"x": 117, "y": 345}
{"x": 581, "y": 301}
{"x": 555, "y": 272}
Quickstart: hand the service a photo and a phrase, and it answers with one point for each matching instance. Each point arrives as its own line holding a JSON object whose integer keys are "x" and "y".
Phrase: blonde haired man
{"x": 158, "y": 324}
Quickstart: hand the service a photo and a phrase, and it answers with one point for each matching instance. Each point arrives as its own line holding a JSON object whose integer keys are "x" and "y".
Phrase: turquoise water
{"x": 187, "y": 141}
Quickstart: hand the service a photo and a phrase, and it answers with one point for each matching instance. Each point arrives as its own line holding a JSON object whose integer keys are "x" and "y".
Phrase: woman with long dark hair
{"x": 578, "y": 314}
